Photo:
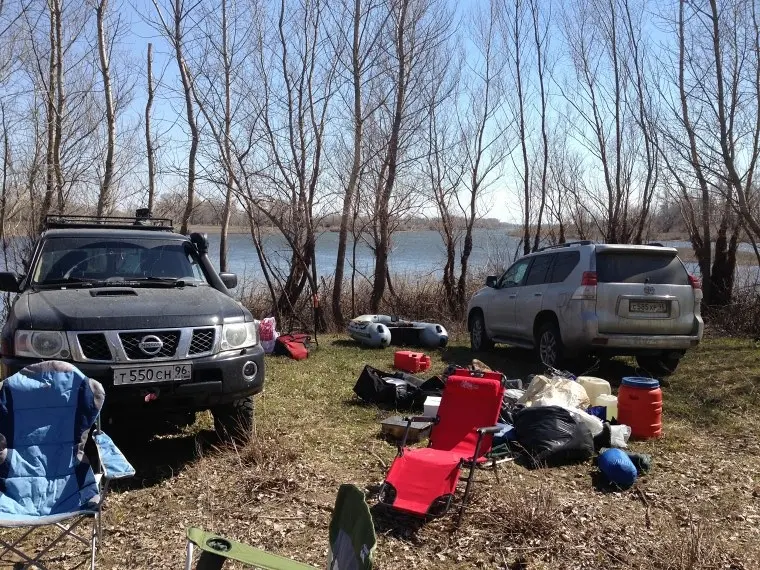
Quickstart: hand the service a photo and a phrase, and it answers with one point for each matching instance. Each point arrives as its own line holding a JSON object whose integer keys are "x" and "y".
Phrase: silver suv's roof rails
{"x": 567, "y": 244}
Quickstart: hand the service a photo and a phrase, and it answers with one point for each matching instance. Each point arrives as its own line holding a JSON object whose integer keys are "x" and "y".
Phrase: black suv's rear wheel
{"x": 659, "y": 366}
{"x": 234, "y": 421}
{"x": 479, "y": 340}
{"x": 549, "y": 345}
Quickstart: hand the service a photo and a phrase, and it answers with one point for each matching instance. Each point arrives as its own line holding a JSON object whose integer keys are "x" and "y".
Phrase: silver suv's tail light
{"x": 587, "y": 290}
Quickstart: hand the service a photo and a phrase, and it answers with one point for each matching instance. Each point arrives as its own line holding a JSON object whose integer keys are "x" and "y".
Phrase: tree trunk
{"x": 187, "y": 89}
{"x": 522, "y": 134}
{"x": 381, "y": 267}
{"x": 148, "y": 139}
{"x": 47, "y": 199}
{"x": 700, "y": 242}
{"x": 60, "y": 104}
{"x": 544, "y": 136}
{"x": 390, "y": 165}
{"x": 353, "y": 178}
{"x": 223, "y": 247}
{"x": 724, "y": 266}
{"x": 105, "y": 200}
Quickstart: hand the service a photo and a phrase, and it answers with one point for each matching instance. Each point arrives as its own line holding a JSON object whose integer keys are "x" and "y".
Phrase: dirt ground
{"x": 699, "y": 508}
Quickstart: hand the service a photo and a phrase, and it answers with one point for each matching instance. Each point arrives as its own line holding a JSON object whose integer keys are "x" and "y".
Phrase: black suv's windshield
{"x": 95, "y": 261}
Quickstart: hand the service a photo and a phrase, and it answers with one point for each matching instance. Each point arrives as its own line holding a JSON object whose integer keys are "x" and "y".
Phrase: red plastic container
{"x": 409, "y": 361}
{"x": 640, "y": 406}
{"x": 467, "y": 373}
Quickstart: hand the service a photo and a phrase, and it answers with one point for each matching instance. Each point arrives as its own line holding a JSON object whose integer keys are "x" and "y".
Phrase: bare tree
{"x": 105, "y": 198}
{"x": 602, "y": 117}
{"x": 50, "y": 93}
{"x": 514, "y": 17}
{"x": 365, "y": 28}
{"x": 540, "y": 39}
{"x": 172, "y": 23}
{"x": 149, "y": 146}
{"x": 485, "y": 131}
{"x": 710, "y": 149}
{"x": 419, "y": 28}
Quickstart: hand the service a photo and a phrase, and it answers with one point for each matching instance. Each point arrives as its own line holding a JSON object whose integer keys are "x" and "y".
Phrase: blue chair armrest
{"x": 112, "y": 461}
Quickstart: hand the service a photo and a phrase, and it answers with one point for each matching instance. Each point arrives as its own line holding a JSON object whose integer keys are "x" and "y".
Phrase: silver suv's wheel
{"x": 549, "y": 345}
{"x": 479, "y": 340}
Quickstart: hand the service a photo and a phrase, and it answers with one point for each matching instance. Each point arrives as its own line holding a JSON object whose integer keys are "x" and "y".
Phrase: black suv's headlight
{"x": 41, "y": 344}
{"x": 238, "y": 335}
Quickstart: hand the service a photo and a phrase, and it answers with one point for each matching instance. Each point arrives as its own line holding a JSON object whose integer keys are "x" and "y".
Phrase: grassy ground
{"x": 698, "y": 509}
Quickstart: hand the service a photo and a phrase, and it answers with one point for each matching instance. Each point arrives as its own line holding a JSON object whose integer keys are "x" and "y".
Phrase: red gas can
{"x": 640, "y": 406}
{"x": 409, "y": 361}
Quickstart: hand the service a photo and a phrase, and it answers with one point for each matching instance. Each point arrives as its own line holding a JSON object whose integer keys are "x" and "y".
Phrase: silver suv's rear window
{"x": 640, "y": 267}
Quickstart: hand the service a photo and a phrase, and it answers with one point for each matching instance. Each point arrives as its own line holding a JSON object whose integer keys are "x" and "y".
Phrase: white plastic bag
{"x": 619, "y": 435}
{"x": 555, "y": 391}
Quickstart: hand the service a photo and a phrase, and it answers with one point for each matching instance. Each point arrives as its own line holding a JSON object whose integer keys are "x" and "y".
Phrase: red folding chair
{"x": 422, "y": 482}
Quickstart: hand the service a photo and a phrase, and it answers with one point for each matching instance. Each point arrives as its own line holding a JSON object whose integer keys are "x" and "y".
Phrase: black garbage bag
{"x": 398, "y": 390}
{"x": 550, "y": 435}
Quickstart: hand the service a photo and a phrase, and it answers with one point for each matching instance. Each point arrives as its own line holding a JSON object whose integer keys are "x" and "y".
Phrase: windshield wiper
{"x": 162, "y": 282}
{"x": 68, "y": 282}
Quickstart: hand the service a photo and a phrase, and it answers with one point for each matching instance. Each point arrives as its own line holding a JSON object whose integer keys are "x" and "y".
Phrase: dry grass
{"x": 413, "y": 297}
{"x": 699, "y": 508}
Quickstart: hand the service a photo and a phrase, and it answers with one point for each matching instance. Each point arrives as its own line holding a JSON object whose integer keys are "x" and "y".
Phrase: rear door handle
{"x": 537, "y": 294}
{"x": 513, "y": 296}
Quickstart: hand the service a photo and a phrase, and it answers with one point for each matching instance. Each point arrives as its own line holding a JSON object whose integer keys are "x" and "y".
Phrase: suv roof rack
{"x": 141, "y": 221}
{"x": 567, "y": 244}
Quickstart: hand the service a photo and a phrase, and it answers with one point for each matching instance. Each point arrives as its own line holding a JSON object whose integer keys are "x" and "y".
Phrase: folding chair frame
{"x": 471, "y": 463}
{"x": 68, "y": 531}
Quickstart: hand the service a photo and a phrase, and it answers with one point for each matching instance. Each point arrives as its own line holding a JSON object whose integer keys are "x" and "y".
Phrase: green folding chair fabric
{"x": 352, "y": 541}
{"x": 352, "y": 533}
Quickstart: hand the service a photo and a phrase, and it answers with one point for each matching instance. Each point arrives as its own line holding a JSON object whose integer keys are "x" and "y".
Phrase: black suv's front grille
{"x": 94, "y": 346}
{"x": 131, "y": 342}
{"x": 203, "y": 341}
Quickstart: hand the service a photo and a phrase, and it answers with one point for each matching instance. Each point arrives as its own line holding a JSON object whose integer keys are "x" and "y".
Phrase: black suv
{"x": 140, "y": 309}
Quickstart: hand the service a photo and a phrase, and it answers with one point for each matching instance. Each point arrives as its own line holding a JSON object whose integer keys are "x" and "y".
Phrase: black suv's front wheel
{"x": 234, "y": 421}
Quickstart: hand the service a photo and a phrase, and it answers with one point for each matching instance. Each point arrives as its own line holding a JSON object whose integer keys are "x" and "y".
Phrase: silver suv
{"x": 582, "y": 298}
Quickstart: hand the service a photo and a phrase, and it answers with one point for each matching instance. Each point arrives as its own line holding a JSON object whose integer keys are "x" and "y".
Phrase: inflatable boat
{"x": 383, "y": 330}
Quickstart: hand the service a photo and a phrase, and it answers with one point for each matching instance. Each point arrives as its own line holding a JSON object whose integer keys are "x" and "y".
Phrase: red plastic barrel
{"x": 640, "y": 406}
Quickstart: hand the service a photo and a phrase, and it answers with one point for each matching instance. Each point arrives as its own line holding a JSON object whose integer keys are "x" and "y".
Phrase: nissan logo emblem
{"x": 151, "y": 345}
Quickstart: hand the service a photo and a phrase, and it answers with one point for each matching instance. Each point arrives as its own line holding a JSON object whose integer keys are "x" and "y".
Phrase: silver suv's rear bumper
{"x": 588, "y": 338}
{"x": 664, "y": 342}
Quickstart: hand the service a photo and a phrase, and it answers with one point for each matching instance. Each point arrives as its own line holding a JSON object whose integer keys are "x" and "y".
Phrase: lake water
{"x": 414, "y": 254}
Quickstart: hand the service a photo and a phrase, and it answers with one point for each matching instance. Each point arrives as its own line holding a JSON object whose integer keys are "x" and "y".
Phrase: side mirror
{"x": 8, "y": 282}
{"x": 491, "y": 281}
{"x": 229, "y": 279}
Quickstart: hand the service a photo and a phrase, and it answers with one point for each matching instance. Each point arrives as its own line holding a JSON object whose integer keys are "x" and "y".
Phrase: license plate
{"x": 648, "y": 307}
{"x": 159, "y": 373}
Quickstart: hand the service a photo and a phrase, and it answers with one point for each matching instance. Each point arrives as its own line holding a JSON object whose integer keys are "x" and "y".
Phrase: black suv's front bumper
{"x": 216, "y": 380}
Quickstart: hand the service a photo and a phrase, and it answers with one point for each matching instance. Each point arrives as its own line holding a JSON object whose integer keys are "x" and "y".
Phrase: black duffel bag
{"x": 399, "y": 390}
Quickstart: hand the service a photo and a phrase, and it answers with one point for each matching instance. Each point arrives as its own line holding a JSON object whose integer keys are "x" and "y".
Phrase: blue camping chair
{"x": 55, "y": 463}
